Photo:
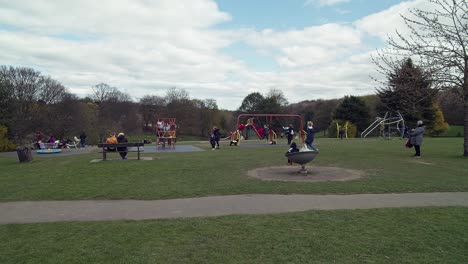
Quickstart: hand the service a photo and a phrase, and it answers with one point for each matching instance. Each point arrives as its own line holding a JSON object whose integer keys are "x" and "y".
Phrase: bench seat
{"x": 104, "y": 147}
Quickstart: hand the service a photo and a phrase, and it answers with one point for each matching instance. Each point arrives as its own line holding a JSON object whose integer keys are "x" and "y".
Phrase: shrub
{"x": 5, "y": 143}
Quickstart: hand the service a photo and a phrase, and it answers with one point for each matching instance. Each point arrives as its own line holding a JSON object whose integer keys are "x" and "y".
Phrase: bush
{"x": 5, "y": 143}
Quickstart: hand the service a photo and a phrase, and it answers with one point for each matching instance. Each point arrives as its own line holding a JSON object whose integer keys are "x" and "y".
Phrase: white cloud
{"x": 144, "y": 47}
{"x": 384, "y": 23}
{"x": 321, "y": 3}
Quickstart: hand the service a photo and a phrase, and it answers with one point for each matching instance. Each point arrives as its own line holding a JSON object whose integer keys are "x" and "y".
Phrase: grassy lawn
{"x": 454, "y": 131}
{"x": 388, "y": 165}
{"x": 412, "y": 235}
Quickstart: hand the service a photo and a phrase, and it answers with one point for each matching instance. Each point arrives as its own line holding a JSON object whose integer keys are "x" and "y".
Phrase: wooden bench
{"x": 104, "y": 147}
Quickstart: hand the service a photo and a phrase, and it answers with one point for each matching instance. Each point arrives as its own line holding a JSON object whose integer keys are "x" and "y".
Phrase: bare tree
{"x": 439, "y": 38}
{"x": 104, "y": 92}
{"x": 151, "y": 106}
{"x": 50, "y": 90}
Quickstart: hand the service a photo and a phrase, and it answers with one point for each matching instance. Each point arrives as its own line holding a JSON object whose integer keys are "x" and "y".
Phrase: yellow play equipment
{"x": 235, "y": 138}
{"x": 344, "y": 127}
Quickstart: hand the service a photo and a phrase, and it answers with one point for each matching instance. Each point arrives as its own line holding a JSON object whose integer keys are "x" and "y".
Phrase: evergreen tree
{"x": 409, "y": 91}
{"x": 355, "y": 110}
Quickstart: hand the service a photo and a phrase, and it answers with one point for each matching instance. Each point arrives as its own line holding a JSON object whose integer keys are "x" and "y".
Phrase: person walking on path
{"x": 416, "y": 138}
{"x": 310, "y": 136}
{"x": 122, "y": 150}
{"x": 82, "y": 139}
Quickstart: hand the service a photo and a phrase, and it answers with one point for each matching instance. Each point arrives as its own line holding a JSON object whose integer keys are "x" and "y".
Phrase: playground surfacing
{"x": 178, "y": 148}
{"x": 315, "y": 174}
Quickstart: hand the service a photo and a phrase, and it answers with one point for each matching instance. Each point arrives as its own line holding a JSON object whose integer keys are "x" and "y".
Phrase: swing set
{"x": 272, "y": 137}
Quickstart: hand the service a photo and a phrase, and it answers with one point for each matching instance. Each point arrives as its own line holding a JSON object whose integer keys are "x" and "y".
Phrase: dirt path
{"x": 104, "y": 210}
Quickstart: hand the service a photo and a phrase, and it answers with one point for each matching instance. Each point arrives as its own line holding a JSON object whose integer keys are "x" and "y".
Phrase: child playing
{"x": 292, "y": 150}
{"x": 212, "y": 141}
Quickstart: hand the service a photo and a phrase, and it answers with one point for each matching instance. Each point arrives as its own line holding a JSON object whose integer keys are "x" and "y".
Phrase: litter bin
{"x": 24, "y": 154}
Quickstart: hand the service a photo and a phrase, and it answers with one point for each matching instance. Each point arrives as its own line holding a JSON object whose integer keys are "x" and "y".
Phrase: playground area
{"x": 183, "y": 203}
{"x": 219, "y": 192}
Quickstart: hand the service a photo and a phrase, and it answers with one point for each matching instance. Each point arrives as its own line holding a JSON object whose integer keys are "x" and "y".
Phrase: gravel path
{"x": 104, "y": 210}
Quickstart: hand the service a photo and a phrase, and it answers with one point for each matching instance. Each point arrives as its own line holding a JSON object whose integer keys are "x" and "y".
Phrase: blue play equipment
{"x": 48, "y": 151}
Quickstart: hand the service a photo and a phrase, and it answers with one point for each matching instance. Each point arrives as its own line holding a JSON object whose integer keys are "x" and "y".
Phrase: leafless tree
{"x": 104, "y": 92}
{"x": 50, "y": 90}
{"x": 439, "y": 39}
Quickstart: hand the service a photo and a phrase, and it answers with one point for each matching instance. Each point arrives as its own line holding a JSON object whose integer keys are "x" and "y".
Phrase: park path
{"x": 104, "y": 210}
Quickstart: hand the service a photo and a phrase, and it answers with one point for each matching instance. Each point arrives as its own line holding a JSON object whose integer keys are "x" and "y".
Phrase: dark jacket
{"x": 122, "y": 139}
{"x": 216, "y": 134}
{"x": 310, "y": 135}
{"x": 293, "y": 148}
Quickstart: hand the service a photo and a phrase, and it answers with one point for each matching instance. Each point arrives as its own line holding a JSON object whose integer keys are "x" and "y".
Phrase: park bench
{"x": 105, "y": 147}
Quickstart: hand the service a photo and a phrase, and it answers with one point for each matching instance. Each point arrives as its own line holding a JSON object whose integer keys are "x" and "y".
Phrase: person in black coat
{"x": 290, "y": 133}
{"x": 217, "y": 136}
{"x": 293, "y": 149}
{"x": 122, "y": 150}
{"x": 82, "y": 139}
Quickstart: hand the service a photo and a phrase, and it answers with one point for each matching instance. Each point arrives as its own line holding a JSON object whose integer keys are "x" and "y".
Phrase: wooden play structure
{"x": 166, "y": 132}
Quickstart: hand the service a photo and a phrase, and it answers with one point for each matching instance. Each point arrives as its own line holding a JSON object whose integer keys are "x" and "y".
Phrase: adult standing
{"x": 416, "y": 138}
{"x": 310, "y": 135}
{"x": 122, "y": 150}
{"x": 82, "y": 139}
{"x": 217, "y": 136}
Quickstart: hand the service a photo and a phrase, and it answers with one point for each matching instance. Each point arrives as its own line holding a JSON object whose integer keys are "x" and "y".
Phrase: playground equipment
{"x": 387, "y": 123}
{"x": 166, "y": 131}
{"x": 48, "y": 148}
{"x": 344, "y": 127}
{"x": 272, "y": 137}
{"x": 302, "y": 158}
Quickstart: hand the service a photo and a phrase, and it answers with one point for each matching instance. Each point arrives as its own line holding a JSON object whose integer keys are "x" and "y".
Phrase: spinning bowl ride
{"x": 302, "y": 158}
{"x": 48, "y": 151}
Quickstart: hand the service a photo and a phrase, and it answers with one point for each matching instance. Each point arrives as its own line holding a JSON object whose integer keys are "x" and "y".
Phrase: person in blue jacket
{"x": 310, "y": 136}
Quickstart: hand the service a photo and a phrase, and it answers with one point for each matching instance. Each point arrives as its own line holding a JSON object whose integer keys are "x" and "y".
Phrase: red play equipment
{"x": 166, "y": 129}
{"x": 271, "y": 133}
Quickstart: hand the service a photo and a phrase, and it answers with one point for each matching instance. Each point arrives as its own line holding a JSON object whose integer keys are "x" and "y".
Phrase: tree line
{"x": 32, "y": 102}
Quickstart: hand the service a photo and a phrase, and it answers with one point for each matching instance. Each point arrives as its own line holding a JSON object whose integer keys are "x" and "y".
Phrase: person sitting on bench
{"x": 111, "y": 140}
{"x": 122, "y": 150}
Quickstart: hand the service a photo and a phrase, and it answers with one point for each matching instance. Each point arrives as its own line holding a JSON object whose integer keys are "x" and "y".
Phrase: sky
{"x": 214, "y": 49}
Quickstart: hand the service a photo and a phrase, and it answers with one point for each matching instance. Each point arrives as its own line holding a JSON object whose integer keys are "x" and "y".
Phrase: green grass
{"x": 454, "y": 131}
{"x": 388, "y": 165}
{"x": 412, "y": 235}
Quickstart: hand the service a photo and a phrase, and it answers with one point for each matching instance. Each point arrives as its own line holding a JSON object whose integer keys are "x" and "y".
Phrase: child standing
{"x": 212, "y": 141}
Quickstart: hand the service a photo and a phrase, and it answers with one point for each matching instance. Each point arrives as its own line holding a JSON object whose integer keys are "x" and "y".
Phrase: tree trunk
{"x": 465, "y": 123}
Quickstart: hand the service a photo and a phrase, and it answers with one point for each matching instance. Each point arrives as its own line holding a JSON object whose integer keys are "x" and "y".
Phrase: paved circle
{"x": 315, "y": 174}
